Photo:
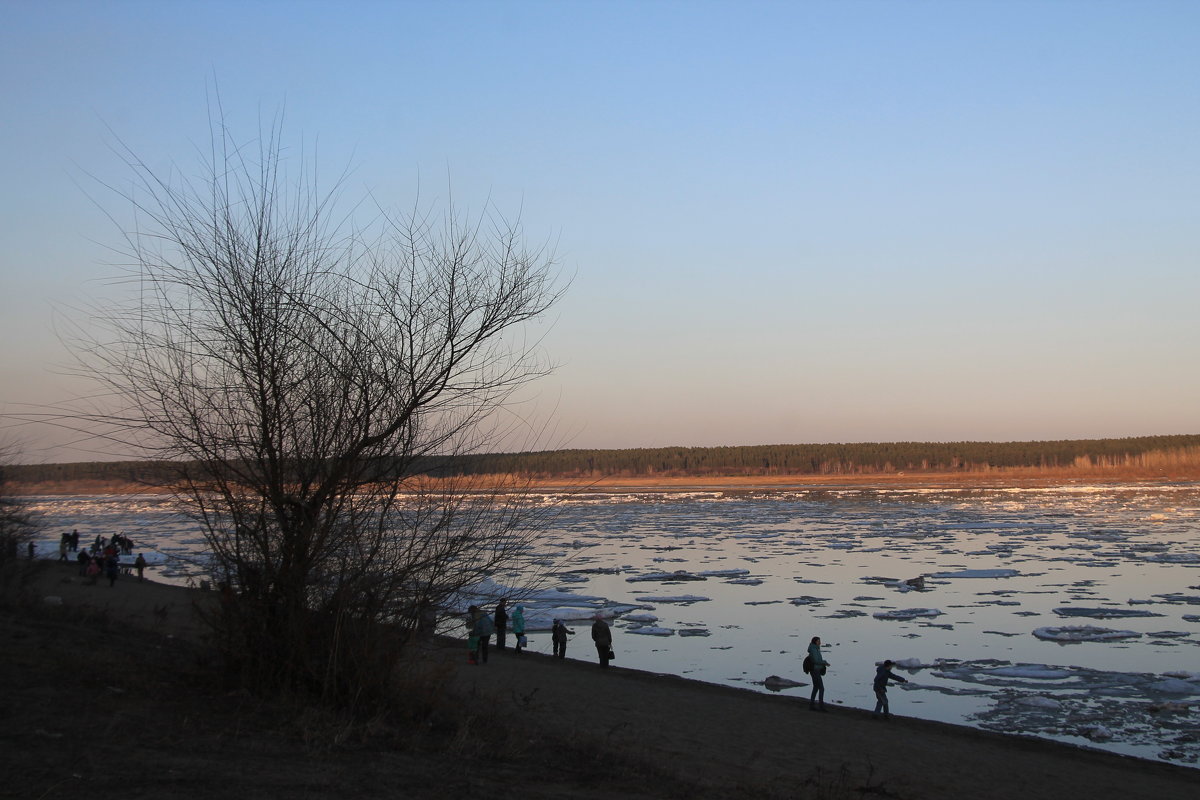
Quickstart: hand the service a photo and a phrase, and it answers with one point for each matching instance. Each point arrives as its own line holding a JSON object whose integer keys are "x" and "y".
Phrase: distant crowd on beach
{"x": 101, "y": 558}
{"x": 481, "y": 626}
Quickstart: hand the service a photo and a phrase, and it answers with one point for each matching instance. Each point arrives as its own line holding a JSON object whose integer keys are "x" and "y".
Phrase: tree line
{"x": 796, "y": 459}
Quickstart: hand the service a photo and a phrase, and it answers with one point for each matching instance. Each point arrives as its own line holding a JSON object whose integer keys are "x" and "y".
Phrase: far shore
{"x": 993, "y": 479}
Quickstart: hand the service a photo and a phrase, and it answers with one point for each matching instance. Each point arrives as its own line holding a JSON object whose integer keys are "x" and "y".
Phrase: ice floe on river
{"x": 1067, "y": 634}
{"x": 908, "y": 613}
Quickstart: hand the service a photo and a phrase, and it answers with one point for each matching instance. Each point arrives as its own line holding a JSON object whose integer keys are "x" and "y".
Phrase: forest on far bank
{"x": 1145, "y": 453}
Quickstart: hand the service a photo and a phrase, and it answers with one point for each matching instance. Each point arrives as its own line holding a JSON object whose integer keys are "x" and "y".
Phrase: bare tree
{"x": 305, "y": 376}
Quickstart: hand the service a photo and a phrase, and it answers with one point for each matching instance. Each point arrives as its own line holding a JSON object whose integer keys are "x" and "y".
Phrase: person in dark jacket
{"x": 817, "y": 666}
{"x": 112, "y": 569}
{"x": 501, "y": 620}
{"x": 558, "y": 636}
{"x": 882, "y": 675}
{"x": 602, "y": 636}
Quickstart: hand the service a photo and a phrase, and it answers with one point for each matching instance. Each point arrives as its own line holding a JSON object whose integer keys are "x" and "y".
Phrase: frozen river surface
{"x": 1070, "y": 613}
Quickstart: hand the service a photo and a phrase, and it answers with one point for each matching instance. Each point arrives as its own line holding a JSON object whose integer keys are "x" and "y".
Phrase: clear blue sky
{"x": 787, "y": 222}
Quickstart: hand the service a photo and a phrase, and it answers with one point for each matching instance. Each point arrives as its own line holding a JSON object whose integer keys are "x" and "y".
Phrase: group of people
{"x": 481, "y": 626}
{"x": 816, "y": 665}
{"x": 102, "y": 558}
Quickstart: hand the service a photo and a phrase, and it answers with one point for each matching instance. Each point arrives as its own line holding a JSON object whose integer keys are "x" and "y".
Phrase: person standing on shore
{"x": 816, "y": 670}
{"x": 483, "y": 630}
{"x": 558, "y": 636}
{"x": 140, "y": 565}
{"x": 501, "y": 620}
{"x": 882, "y": 675}
{"x": 602, "y": 636}
{"x": 518, "y": 626}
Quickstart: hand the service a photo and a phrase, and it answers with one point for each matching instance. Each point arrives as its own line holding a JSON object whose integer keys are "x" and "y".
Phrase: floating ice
{"x": 978, "y": 573}
{"x": 1098, "y": 733}
{"x": 907, "y": 613}
{"x": 806, "y": 600}
{"x": 1039, "y": 672}
{"x": 909, "y": 663}
{"x": 1038, "y": 701}
{"x": 1175, "y": 558}
{"x": 723, "y": 573}
{"x": 650, "y": 630}
{"x": 678, "y": 575}
{"x": 1104, "y": 613}
{"x": 643, "y": 619}
{"x": 746, "y": 581}
{"x": 693, "y": 632}
{"x": 1082, "y": 633}
{"x": 1175, "y": 686}
{"x": 672, "y": 598}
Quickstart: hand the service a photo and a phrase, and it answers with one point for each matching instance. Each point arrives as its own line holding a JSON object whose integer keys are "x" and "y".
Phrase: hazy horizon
{"x": 784, "y": 223}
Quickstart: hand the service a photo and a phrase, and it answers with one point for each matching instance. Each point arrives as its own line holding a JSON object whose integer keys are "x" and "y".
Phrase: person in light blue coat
{"x": 817, "y": 666}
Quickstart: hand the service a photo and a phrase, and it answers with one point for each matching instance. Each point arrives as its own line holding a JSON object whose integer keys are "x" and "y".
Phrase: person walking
{"x": 816, "y": 670}
{"x": 882, "y": 675}
{"x": 518, "y": 627}
{"x": 558, "y": 636}
{"x": 602, "y": 636}
{"x": 501, "y": 620}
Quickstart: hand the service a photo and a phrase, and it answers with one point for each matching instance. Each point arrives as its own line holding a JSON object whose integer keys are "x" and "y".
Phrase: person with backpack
{"x": 815, "y": 665}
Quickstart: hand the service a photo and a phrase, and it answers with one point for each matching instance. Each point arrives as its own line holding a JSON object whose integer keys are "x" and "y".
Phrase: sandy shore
{"x": 720, "y": 737}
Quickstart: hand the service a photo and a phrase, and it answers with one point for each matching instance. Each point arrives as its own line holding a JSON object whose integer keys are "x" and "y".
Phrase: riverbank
{"x": 112, "y": 686}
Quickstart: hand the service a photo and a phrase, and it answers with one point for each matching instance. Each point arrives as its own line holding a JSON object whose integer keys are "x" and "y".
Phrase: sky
{"x": 782, "y": 222}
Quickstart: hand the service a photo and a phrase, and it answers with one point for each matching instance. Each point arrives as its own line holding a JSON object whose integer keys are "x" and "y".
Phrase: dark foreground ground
{"x": 112, "y": 694}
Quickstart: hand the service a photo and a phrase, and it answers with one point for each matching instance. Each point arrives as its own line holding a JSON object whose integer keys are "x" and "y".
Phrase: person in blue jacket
{"x": 817, "y": 666}
{"x": 882, "y": 675}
